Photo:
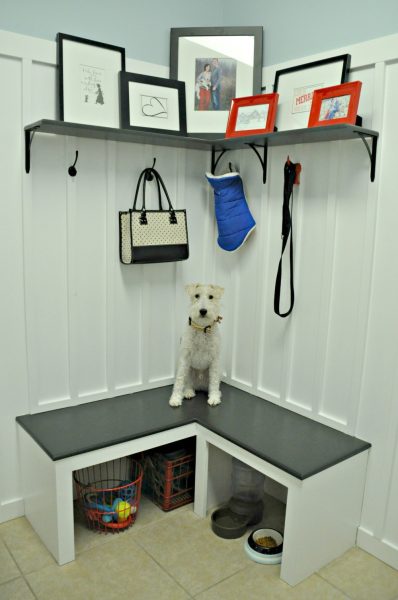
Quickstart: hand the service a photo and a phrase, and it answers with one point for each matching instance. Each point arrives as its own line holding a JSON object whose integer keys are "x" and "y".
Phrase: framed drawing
{"x": 296, "y": 86}
{"x": 252, "y": 115}
{"x": 88, "y": 74}
{"x": 217, "y": 64}
{"x": 152, "y": 103}
{"x": 335, "y": 104}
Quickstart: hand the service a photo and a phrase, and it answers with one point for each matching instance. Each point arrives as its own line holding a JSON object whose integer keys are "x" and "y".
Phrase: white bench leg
{"x": 65, "y": 518}
{"x": 201, "y": 476}
{"x": 322, "y": 518}
{"x": 48, "y": 495}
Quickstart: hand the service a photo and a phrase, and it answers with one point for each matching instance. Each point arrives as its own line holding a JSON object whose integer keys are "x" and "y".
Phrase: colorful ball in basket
{"x": 127, "y": 491}
{"x": 122, "y": 510}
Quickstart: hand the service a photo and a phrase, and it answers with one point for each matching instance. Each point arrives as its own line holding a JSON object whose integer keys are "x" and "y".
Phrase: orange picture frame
{"x": 251, "y": 115}
{"x": 336, "y": 104}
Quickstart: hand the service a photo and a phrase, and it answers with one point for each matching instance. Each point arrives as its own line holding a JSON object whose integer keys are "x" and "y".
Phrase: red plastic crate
{"x": 169, "y": 476}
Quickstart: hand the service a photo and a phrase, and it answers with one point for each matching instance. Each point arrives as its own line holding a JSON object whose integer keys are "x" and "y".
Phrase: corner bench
{"x": 323, "y": 469}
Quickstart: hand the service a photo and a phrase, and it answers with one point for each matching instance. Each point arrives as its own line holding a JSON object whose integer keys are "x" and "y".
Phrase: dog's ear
{"x": 190, "y": 289}
{"x": 217, "y": 291}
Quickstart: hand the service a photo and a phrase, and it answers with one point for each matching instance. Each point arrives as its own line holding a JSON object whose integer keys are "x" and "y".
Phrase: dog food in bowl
{"x": 266, "y": 541}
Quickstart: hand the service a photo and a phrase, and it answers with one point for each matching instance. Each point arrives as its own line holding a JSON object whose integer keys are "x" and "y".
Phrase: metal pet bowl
{"x": 227, "y": 524}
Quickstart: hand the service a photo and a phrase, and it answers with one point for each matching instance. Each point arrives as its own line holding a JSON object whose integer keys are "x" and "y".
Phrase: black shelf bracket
{"x": 262, "y": 159}
{"x": 372, "y": 153}
{"x": 214, "y": 160}
{"x": 29, "y": 135}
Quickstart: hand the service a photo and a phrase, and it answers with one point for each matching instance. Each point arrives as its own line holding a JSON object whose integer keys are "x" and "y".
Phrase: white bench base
{"x": 322, "y": 513}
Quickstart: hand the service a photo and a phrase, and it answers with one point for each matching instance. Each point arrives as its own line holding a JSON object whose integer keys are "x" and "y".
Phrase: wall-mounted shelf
{"x": 217, "y": 146}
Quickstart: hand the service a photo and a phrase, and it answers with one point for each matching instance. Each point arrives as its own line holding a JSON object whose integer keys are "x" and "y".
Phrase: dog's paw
{"x": 214, "y": 399}
{"x": 189, "y": 393}
{"x": 175, "y": 400}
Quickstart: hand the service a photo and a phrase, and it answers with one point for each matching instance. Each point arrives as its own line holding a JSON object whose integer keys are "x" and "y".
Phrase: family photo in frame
{"x": 215, "y": 83}
{"x": 217, "y": 64}
{"x": 336, "y": 104}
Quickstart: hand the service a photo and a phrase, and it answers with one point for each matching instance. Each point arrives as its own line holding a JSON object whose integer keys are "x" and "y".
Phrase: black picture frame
{"x": 68, "y": 99}
{"x": 309, "y": 76}
{"x": 213, "y": 123}
{"x": 139, "y": 108}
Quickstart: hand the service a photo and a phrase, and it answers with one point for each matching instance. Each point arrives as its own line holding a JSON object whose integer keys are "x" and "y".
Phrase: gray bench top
{"x": 296, "y": 444}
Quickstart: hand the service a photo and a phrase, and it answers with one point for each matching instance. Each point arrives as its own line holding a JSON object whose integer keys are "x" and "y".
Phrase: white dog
{"x": 199, "y": 362}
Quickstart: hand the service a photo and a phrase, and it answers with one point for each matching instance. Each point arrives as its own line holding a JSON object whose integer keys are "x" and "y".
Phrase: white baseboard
{"x": 381, "y": 549}
{"x": 12, "y": 509}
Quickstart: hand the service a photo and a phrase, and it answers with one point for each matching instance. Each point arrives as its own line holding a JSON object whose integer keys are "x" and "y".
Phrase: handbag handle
{"x": 160, "y": 184}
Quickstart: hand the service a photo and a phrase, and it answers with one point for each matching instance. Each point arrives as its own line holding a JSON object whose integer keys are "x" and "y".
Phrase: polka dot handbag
{"x": 152, "y": 236}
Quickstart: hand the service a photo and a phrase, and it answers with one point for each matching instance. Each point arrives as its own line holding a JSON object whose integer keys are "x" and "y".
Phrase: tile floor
{"x": 172, "y": 556}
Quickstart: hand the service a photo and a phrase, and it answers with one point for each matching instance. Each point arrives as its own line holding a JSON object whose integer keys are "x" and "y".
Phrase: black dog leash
{"x": 291, "y": 173}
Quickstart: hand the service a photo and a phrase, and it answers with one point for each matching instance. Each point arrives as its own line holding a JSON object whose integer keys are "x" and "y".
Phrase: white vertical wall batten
{"x": 376, "y": 112}
{"x": 326, "y": 284}
{"x": 111, "y": 254}
{"x": 128, "y": 282}
{"x": 245, "y": 280}
{"x": 71, "y": 217}
{"x": 309, "y": 207}
{"x": 90, "y": 256}
{"x": 179, "y": 299}
{"x": 262, "y": 276}
{"x": 14, "y": 381}
{"x": 48, "y": 271}
{"x": 272, "y": 329}
{"x": 26, "y": 206}
{"x": 377, "y": 415}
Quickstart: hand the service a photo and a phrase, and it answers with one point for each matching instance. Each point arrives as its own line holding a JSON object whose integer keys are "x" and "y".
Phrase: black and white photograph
{"x": 88, "y": 81}
{"x": 152, "y": 103}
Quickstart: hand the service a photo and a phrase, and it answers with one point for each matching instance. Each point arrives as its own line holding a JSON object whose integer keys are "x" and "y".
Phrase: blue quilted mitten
{"x": 234, "y": 219}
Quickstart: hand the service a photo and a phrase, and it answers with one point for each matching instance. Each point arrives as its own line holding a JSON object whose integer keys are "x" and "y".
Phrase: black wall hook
{"x": 72, "y": 170}
{"x": 149, "y": 176}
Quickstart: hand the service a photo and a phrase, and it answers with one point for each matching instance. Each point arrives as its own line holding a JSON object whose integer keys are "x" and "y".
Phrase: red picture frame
{"x": 336, "y": 104}
{"x": 251, "y": 115}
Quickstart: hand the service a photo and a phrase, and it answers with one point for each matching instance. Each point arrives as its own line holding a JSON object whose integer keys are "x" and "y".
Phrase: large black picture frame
{"x": 190, "y": 45}
{"x": 141, "y": 107}
{"x": 296, "y": 85}
{"x": 102, "y": 63}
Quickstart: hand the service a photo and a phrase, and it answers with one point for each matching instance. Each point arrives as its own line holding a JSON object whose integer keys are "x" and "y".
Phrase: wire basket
{"x": 169, "y": 476}
{"x": 109, "y": 494}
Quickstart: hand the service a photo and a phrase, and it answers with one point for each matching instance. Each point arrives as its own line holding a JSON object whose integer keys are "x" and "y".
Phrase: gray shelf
{"x": 216, "y": 145}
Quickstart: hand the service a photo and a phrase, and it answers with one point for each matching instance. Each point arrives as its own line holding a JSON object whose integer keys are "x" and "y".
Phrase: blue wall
{"x": 291, "y": 29}
{"x": 142, "y": 27}
{"x": 295, "y": 29}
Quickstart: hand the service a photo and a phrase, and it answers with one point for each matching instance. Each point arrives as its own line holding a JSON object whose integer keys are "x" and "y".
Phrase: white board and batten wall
{"x": 78, "y": 326}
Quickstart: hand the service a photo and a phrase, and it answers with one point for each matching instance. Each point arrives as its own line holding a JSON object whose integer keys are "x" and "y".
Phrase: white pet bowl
{"x": 262, "y": 559}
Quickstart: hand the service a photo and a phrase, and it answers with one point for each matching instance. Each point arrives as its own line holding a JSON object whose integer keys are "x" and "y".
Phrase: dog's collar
{"x": 204, "y": 329}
